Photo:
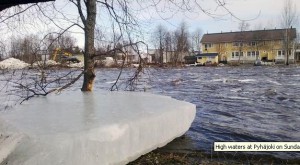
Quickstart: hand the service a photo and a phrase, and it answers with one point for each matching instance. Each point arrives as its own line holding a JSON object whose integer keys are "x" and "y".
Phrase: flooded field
{"x": 233, "y": 103}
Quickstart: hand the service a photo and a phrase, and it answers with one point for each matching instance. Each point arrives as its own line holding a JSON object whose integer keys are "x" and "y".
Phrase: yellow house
{"x": 207, "y": 58}
{"x": 249, "y": 46}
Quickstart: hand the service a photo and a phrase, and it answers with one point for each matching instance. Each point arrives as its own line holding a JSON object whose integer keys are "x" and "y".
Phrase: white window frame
{"x": 208, "y": 45}
{"x": 237, "y": 44}
{"x": 242, "y": 54}
{"x": 253, "y": 53}
{"x": 236, "y": 54}
{"x": 249, "y": 54}
{"x": 280, "y": 53}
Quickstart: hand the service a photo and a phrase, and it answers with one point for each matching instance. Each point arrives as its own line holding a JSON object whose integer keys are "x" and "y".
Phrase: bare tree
{"x": 196, "y": 38}
{"x": 221, "y": 50}
{"x": 289, "y": 18}
{"x": 159, "y": 42}
{"x": 119, "y": 12}
{"x": 243, "y": 26}
{"x": 168, "y": 46}
{"x": 182, "y": 43}
{"x": 25, "y": 48}
{"x": 89, "y": 21}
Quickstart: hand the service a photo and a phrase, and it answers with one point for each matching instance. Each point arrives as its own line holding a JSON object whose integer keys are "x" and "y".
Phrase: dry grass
{"x": 159, "y": 157}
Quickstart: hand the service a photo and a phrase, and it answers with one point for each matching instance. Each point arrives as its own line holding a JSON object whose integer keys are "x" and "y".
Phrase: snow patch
{"x": 109, "y": 61}
{"x": 102, "y": 127}
{"x": 47, "y": 63}
{"x": 76, "y": 65}
{"x": 12, "y": 63}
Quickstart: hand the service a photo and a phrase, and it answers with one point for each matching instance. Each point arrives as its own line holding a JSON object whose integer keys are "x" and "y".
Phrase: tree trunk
{"x": 89, "y": 71}
{"x": 286, "y": 47}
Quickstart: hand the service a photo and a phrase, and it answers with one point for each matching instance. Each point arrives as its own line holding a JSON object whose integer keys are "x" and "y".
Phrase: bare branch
{"x": 79, "y": 7}
{"x": 11, "y": 16}
{"x": 4, "y": 4}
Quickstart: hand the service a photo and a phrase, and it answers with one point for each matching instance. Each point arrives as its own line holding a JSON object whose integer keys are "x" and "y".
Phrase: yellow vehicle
{"x": 60, "y": 55}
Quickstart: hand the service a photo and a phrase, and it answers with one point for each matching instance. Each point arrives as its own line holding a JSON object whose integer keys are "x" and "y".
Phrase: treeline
{"x": 31, "y": 48}
{"x": 172, "y": 46}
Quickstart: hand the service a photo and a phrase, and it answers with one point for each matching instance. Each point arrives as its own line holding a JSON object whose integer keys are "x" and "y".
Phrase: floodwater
{"x": 259, "y": 104}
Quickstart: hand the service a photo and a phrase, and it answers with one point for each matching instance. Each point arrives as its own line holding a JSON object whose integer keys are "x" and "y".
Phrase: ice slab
{"x": 94, "y": 128}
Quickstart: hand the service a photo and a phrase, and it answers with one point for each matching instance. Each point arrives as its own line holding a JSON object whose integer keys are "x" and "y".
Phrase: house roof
{"x": 207, "y": 55}
{"x": 248, "y": 36}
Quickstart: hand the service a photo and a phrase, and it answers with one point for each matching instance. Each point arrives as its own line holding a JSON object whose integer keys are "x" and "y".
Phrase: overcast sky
{"x": 260, "y": 13}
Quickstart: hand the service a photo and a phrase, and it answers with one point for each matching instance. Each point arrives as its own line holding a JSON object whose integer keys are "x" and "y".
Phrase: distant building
{"x": 249, "y": 46}
{"x": 167, "y": 56}
{"x": 207, "y": 58}
{"x": 297, "y": 52}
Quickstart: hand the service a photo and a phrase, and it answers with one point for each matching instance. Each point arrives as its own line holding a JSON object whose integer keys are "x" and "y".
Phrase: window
{"x": 237, "y": 54}
{"x": 207, "y": 45}
{"x": 237, "y": 44}
{"x": 253, "y": 43}
{"x": 282, "y": 53}
{"x": 255, "y": 53}
{"x": 249, "y": 54}
{"x": 252, "y": 54}
{"x": 279, "y": 53}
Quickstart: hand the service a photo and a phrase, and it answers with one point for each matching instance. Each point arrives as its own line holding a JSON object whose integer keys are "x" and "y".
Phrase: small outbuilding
{"x": 190, "y": 59}
{"x": 207, "y": 58}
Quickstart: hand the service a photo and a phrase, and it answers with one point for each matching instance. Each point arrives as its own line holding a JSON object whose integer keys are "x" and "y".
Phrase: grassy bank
{"x": 161, "y": 156}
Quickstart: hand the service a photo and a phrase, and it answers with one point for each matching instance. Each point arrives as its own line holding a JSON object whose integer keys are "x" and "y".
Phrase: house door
{"x": 224, "y": 58}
